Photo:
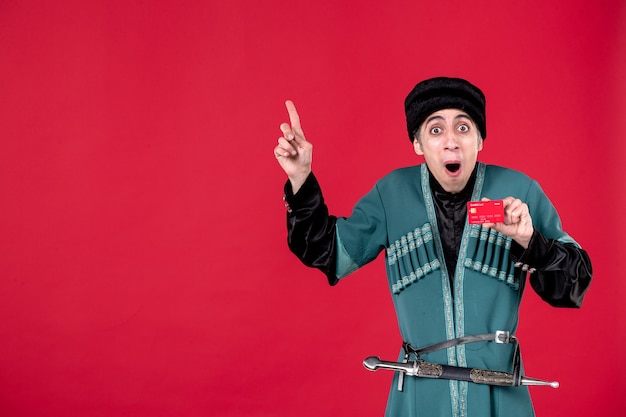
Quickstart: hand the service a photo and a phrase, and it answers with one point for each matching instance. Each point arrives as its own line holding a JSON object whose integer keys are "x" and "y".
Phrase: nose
{"x": 450, "y": 140}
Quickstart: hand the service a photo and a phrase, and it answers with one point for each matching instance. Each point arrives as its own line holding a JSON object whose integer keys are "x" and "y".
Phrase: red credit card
{"x": 491, "y": 211}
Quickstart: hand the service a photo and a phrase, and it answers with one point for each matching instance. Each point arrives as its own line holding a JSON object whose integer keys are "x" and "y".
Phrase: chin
{"x": 456, "y": 184}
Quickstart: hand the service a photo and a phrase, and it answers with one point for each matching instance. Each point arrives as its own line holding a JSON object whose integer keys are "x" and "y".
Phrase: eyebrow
{"x": 458, "y": 116}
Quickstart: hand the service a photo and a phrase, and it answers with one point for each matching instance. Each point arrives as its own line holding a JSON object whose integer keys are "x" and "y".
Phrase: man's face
{"x": 449, "y": 142}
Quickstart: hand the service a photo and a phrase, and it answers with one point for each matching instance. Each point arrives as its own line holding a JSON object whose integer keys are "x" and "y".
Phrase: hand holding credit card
{"x": 491, "y": 211}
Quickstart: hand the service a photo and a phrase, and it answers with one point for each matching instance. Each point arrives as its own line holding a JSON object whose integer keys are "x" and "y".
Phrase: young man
{"x": 450, "y": 280}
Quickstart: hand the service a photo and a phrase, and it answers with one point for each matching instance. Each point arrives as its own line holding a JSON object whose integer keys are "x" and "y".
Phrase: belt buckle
{"x": 502, "y": 336}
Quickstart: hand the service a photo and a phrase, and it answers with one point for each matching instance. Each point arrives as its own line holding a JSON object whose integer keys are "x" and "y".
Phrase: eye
{"x": 463, "y": 128}
{"x": 435, "y": 130}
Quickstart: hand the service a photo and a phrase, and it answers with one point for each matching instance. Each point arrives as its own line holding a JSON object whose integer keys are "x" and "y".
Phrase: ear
{"x": 418, "y": 147}
{"x": 480, "y": 143}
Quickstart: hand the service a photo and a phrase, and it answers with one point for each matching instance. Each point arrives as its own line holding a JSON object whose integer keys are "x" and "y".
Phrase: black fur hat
{"x": 440, "y": 93}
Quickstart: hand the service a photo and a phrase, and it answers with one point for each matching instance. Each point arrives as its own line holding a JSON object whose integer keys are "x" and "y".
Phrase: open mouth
{"x": 454, "y": 167}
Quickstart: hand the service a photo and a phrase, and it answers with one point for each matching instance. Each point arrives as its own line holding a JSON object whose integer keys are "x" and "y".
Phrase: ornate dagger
{"x": 422, "y": 369}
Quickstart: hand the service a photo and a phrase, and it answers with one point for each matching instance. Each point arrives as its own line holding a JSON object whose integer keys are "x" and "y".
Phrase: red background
{"x": 143, "y": 263}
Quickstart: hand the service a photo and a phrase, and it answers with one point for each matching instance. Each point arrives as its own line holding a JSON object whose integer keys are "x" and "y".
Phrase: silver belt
{"x": 423, "y": 369}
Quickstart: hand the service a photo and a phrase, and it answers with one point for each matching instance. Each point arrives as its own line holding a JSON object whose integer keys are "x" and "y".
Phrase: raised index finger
{"x": 294, "y": 118}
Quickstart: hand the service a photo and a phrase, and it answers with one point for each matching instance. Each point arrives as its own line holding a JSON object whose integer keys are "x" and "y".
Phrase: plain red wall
{"x": 143, "y": 263}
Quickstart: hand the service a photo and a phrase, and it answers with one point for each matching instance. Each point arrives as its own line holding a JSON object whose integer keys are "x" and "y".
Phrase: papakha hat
{"x": 440, "y": 93}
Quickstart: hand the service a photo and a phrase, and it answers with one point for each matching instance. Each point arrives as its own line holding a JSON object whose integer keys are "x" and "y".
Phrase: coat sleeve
{"x": 561, "y": 269}
{"x": 337, "y": 246}
{"x": 310, "y": 229}
{"x": 561, "y": 272}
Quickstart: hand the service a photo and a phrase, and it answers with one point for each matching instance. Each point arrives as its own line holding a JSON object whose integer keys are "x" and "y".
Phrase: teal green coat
{"x": 398, "y": 217}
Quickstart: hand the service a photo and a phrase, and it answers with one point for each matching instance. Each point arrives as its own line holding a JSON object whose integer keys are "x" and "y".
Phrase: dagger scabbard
{"x": 424, "y": 369}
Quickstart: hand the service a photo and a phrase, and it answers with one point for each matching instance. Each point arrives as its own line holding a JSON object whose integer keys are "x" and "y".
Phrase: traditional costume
{"x": 448, "y": 279}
